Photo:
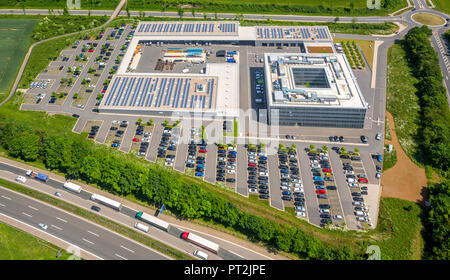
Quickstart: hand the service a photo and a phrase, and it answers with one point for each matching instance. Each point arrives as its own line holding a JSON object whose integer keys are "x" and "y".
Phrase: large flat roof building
{"x": 313, "y": 90}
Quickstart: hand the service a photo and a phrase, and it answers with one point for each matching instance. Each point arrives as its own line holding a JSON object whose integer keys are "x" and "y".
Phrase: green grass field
{"x": 398, "y": 233}
{"x": 402, "y": 101}
{"x": 14, "y": 41}
{"x": 442, "y": 5}
{"x": 324, "y": 7}
{"x": 18, "y": 245}
{"x": 389, "y": 159}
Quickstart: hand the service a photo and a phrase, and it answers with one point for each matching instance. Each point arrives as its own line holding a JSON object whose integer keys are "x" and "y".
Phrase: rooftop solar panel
{"x": 128, "y": 92}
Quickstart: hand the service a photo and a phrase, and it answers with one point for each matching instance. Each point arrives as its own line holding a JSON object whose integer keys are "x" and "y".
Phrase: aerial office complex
{"x": 170, "y": 68}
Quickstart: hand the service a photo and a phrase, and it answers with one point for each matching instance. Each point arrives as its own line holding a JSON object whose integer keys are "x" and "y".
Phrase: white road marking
{"x": 61, "y": 220}
{"x": 121, "y": 257}
{"x": 88, "y": 241}
{"x": 5, "y": 197}
{"x": 2, "y": 205}
{"x": 33, "y": 208}
{"x": 27, "y": 214}
{"x": 93, "y": 233}
{"x": 56, "y": 227}
{"x": 127, "y": 249}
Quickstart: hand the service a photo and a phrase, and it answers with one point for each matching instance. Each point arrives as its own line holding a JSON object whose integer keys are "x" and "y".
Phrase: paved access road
{"x": 86, "y": 235}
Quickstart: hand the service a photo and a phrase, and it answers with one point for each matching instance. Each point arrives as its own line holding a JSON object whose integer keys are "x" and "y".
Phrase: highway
{"x": 9, "y": 170}
{"x": 86, "y": 235}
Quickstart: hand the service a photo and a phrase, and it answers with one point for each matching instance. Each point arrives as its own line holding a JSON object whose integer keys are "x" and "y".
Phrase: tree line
{"x": 123, "y": 175}
{"x": 435, "y": 114}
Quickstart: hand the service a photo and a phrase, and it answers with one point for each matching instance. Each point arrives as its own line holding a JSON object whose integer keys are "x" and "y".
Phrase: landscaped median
{"x": 118, "y": 228}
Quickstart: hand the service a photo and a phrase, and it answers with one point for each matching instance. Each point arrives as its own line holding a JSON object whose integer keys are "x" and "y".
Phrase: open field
{"x": 335, "y": 7}
{"x": 18, "y": 245}
{"x": 428, "y": 19}
{"x": 402, "y": 100}
{"x": 14, "y": 41}
{"x": 442, "y": 5}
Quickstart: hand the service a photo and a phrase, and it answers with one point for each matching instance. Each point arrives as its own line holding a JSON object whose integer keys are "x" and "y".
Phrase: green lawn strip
{"x": 120, "y": 229}
{"x": 402, "y": 101}
{"x": 399, "y": 225}
{"x": 235, "y": 128}
{"x": 387, "y": 130}
{"x": 389, "y": 159}
{"x": 16, "y": 244}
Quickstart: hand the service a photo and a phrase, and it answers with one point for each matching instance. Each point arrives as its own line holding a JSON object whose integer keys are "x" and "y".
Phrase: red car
{"x": 203, "y": 151}
{"x": 329, "y": 170}
{"x": 91, "y": 136}
{"x": 136, "y": 140}
{"x": 90, "y": 50}
{"x": 320, "y": 192}
{"x": 363, "y": 180}
{"x": 252, "y": 164}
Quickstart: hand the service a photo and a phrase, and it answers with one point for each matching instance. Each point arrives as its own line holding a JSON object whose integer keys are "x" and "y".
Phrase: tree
{"x": 193, "y": 11}
{"x": 325, "y": 148}
{"x": 139, "y": 121}
{"x": 336, "y": 19}
{"x": 205, "y": 16}
{"x": 293, "y": 146}
{"x": 180, "y": 12}
{"x": 343, "y": 149}
{"x": 25, "y": 146}
{"x": 62, "y": 80}
{"x": 357, "y": 150}
{"x": 75, "y": 96}
{"x": 150, "y": 122}
{"x": 166, "y": 123}
{"x": 311, "y": 147}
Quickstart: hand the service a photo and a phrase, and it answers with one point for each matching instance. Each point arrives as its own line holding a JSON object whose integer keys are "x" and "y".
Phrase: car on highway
{"x": 95, "y": 208}
{"x": 21, "y": 179}
{"x": 43, "y": 226}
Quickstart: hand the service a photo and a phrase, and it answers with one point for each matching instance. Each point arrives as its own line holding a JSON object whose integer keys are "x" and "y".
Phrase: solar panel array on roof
{"x": 188, "y": 27}
{"x": 157, "y": 93}
{"x": 303, "y": 33}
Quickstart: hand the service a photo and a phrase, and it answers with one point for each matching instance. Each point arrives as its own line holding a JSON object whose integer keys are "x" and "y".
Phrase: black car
{"x": 355, "y": 158}
{"x": 285, "y": 197}
{"x": 317, "y": 174}
{"x": 356, "y": 194}
{"x": 231, "y": 180}
{"x": 331, "y": 187}
{"x": 363, "y": 139}
{"x": 344, "y": 156}
{"x": 252, "y": 177}
{"x": 324, "y": 206}
{"x": 263, "y": 178}
{"x": 299, "y": 203}
{"x": 326, "y": 216}
{"x": 350, "y": 176}
{"x": 264, "y": 196}
{"x": 221, "y": 171}
{"x": 364, "y": 193}
{"x": 285, "y": 180}
{"x": 357, "y": 198}
{"x": 251, "y": 168}
{"x": 325, "y": 221}
{"x": 299, "y": 194}
{"x": 75, "y": 115}
{"x": 95, "y": 208}
{"x": 252, "y": 173}
{"x": 116, "y": 141}
{"x": 264, "y": 191}
{"x": 283, "y": 167}
{"x": 301, "y": 199}
{"x": 251, "y": 181}
{"x": 200, "y": 158}
{"x": 341, "y": 138}
{"x": 262, "y": 182}
{"x": 331, "y": 138}
{"x": 221, "y": 179}
{"x": 263, "y": 187}
{"x": 324, "y": 196}
{"x": 190, "y": 165}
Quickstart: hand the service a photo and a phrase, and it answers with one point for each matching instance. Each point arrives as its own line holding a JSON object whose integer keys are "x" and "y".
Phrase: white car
{"x": 252, "y": 190}
{"x": 298, "y": 189}
{"x": 300, "y": 214}
{"x": 360, "y": 219}
{"x": 263, "y": 174}
{"x": 170, "y": 159}
{"x": 326, "y": 211}
{"x": 231, "y": 167}
{"x": 298, "y": 185}
{"x": 231, "y": 149}
{"x": 313, "y": 161}
{"x": 190, "y": 161}
{"x": 251, "y": 154}
{"x": 337, "y": 217}
{"x": 252, "y": 161}
{"x": 231, "y": 171}
{"x": 285, "y": 188}
{"x": 284, "y": 175}
{"x": 262, "y": 154}
{"x": 296, "y": 181}
{"x": 221, "y": 159}
{"x": 21, "y": 179}
{"x": 353, "y": 185}
{"x": 349, "y": 172}
{"x": 350, "y": 180}
{"x": 43, "y": 226}
{"x": 323, "y": 158}
{"x": 58, "y": 194}
{"x": 168, "y": 163}
{"x": 378, "y": 136}
{"x": 191, "y": 157}
{"x": 299, "y": 208}
{"x": 358, "y": 203}
{"x": 145, "y": 140}
{"x": 315, "y": 165}
{"x": 116, "y": 122}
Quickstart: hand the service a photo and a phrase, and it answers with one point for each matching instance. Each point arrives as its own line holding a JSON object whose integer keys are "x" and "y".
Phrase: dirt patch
{"x": 320, "y": 50}
{"x": 404, "y": 180}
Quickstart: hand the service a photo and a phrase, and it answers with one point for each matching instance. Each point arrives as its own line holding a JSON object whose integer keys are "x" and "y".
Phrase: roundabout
{"x": 428, "y": 19}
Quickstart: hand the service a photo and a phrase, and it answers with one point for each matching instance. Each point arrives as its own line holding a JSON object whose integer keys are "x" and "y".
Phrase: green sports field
{"x": 14, "y": 41}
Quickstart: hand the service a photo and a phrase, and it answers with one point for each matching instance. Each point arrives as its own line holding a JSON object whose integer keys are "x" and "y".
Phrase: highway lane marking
{"x": 2, "y": 205}
{"x": 93, "y": 233}
{"x": 5, "y": 197}
{"x": 120, "y": 257}
{"x": 27, "y": 214}
{"x": 126, "y": 249}
{"x": 56, "y": 227}
{"x": 33, "y": 208}
{"x": 61, "y": 220}
{"x": 88, "y": 241}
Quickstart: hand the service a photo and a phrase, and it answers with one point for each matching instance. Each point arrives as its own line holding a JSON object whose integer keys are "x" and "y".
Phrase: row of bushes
{"x": 435, "y": 124}
{"x": 78, "y": 158}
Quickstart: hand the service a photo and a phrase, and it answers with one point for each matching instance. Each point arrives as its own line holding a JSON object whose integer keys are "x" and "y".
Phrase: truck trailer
{"x": 39, "y": 176}
{"x": 200, "y": 241}
{"x": 72, "y": 187}
{"x": 152, "y": 220}
{"x": 106, "y": 201}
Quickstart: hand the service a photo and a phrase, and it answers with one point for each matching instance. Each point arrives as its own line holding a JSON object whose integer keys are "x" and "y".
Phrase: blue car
{"x": 199, "y": 174}
{"x": 203, "y": 147}
{"x": 284, "y": 171}
{"x": 115, "y": 145}
{"x": 320, "y": 187}
{"x": 263, "y": 158}
{"x": 286, "y": 193}
{"x": 139, "y": 133}
{"x": 379, "y": 158}
{"x": 201, "y": 165}
{"x": 316, "y": 178}
{"x": 232, "y": 153}
{"x": 200, "y": 162}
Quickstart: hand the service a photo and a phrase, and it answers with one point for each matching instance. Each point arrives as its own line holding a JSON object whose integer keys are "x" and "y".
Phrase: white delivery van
{"x": 201, "y": 254}
{"x": 142, "y": 227}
